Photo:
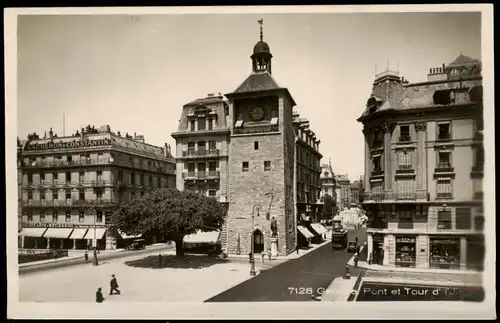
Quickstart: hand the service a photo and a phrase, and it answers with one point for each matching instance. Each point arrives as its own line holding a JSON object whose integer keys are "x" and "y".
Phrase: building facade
{"x": 308, "y": 170}
{"x": 354, "y": 194}
{"x": 424, "y": 162}
{"x": 343, "y": 191}
{"x": 327, "y": 181}
{"x": 71, "y": 185}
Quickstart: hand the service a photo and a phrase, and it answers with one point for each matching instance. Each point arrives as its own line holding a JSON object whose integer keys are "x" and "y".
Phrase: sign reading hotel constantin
{"x": 68, "y": 144}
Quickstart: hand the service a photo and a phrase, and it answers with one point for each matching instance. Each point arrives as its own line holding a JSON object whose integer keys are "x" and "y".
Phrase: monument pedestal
{"x": 274, "y": 246}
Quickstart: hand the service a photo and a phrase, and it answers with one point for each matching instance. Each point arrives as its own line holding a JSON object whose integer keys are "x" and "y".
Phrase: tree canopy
{"x": 172, "y": 212}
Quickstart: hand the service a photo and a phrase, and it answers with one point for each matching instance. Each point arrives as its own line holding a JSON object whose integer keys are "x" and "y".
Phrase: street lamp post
{"x": 95, "y": 241}
{"x": 252, "y": 258}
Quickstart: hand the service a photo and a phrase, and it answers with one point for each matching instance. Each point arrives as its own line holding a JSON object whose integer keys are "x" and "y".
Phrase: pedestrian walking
{"x": 347, "y": 274}
{"x": 160, "y": 260}
{"x": 114, "y": 285}
{"x": 297, "y": 248}
{"x": 86, "y": 256}
{"x": 356, "y": 259}
{"x": 98, "y": 295}
{"x": 262, "y": 255}
{"x": 269, "y": 255}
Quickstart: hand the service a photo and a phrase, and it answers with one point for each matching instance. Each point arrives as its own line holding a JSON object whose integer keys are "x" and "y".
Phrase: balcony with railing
{"x": 66, "y": 163}
{"x": 377, "y": 171}
{"x": 394, "y": 197}
{"x": 376, "y": 144}
{"x": 256, "y": 129}
{"x": 67, "y": 202}
{"x": 194, "y": 175}
{"x": 443, "y": 137}
{"x": 404, "y": 138}
{"x": 444, "y": 167}
{"x": 405, "y": 169}
{"x": 444, "y": 195}
{"x": 200, "y": 153}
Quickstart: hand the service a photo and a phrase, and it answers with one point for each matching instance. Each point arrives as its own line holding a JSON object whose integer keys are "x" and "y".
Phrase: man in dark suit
{"x": 114, "y": 285}
{"x": 98, "y": 295}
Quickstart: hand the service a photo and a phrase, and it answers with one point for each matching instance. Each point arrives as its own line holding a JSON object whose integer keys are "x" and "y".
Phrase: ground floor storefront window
{"x": 444, "y": 253}
{"x": 405, "y": 252}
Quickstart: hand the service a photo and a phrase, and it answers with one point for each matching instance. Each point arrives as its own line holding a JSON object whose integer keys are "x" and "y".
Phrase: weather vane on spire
{"x": 261, "y": 22}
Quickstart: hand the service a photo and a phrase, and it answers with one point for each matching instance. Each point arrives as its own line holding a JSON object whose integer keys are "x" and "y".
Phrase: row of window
{"x": 101, "y": 159}
{"x": 443, "y": 160}
{"x": 201, "y": 124}
{"x": 443, "y": 133}
{"x": 55, "y": 216}
{"x": 444, "y": 187}
{"x": 98, "y": 177}
{"x": 245, "y": 166}
{"x": 202, "y": 189}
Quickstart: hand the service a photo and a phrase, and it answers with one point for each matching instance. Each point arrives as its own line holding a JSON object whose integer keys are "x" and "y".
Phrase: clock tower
{"x": 261, "y": 210}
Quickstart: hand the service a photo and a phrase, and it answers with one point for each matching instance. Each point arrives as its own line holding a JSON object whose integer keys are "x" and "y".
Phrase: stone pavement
{"x": 192, "y": 279}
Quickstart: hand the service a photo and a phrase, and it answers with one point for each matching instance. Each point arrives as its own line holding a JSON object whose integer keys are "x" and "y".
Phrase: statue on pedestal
{"x": 274, "y": 227}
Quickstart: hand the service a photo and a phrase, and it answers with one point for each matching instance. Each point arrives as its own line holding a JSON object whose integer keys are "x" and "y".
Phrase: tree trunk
{"x": 179, "y": 250}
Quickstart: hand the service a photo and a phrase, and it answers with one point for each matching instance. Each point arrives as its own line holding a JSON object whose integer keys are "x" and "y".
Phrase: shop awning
{"x": 32, "y": 232}
{"x": 78, "y": 233}
{"x": 99, "y": 233}
{"x": 126, "y": 236}
{"x": 203, "y": 237}
{"x": 306, "y": 233}
{"x": 58, "y": 233}
{"x": 319, "y": 228}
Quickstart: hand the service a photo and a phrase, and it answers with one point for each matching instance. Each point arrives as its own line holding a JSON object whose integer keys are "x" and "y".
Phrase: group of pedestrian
{"x": 113, "y": 284}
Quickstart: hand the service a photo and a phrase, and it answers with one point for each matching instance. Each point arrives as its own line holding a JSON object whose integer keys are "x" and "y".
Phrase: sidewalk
{"x": 292, "y": 255}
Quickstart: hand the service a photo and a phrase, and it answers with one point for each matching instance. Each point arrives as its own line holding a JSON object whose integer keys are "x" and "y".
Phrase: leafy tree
{"x": 171, "y": 212}
{"x": 329, "y": 207}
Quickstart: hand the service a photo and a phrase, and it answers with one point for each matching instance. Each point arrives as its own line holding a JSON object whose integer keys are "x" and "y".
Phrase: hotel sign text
{"x": 69, "y": 144}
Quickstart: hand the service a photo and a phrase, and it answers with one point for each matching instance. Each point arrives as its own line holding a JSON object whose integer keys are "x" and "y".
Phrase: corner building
{"x": 71, "y": 185}
{"x": 424, "y": 161}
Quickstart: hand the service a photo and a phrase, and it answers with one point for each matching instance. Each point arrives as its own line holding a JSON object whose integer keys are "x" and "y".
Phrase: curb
{"x": 65, "y": 262}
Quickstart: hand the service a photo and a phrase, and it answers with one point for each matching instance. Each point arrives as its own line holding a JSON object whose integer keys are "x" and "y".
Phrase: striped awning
{"x": 58, "y": 233}
{"x": 78, "y": 233}
{"x": 32, "y": 232}
{"x": 319, "y": 228}
{"x": 306, "y": 233}
{"x": 99, "y": 233}
{"x": 203, "y": 237}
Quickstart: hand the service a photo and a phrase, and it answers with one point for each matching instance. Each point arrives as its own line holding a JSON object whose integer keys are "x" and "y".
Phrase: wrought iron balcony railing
{"x": 377, "y": 172}
{"x": 394, "y": 196}
{"x": 444, "y": 195}
{"x": 404, "y": 138}
{"x": 444, "y": 168}
{"x": 444, "y": 136}
{"x": 201, "y": 174}
{"x": 200, "y": 153}
{"x": 68, "y": 202}
{"x": 256, "y": 129}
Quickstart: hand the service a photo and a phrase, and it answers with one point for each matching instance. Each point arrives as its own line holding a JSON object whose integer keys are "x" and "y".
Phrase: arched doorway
{"x": 258, "y": 241}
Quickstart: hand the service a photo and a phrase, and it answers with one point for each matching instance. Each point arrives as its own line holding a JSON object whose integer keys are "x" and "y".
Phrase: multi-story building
{"x": 343, "y": 191}
{"x": 423, "y": 168}
{"x": 71, "y": 185}
{"x": 202, "y": 141}
{"x": 327, "y": 180}
{"x": 354, "y": 194}
{"x": 308, "y": 170}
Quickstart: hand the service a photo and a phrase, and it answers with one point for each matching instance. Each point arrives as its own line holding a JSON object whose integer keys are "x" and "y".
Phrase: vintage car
{"x": 137, "y": 244}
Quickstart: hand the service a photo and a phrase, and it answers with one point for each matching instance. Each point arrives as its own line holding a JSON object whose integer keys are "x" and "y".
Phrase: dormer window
{"x": 202, "y": 123}
{"x": 192, "y": 125}
{"x": 210, "y": 124}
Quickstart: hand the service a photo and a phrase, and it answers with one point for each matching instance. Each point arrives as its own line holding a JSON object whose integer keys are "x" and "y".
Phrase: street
{"x": 297, "y": 279}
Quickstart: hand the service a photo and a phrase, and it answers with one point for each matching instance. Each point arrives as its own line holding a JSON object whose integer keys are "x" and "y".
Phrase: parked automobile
{"x": 351, "y": 247}
{"x": 137, "y": 244}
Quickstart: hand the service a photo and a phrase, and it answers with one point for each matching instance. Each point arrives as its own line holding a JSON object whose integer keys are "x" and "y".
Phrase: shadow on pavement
{"x": 171, "y": 261}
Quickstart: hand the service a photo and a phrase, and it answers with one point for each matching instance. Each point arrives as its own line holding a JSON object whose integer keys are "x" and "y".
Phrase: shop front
{"x": 97, "y": 234}
{"x": 58, "y": 238}
{"x": 32, "y": 238}
{"x": 305, "y": 236}
{"x": 77, "y": 239}
{"x": 475, "y": 252}
{"x": 406, "y": 255}
{"x": 444, "y": 252}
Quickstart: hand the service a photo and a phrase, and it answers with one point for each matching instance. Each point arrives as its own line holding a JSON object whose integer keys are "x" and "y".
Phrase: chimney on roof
{"x": 51, "y": 133}
{"x": 167, "y": 150}
{"x": 82, "y": 134}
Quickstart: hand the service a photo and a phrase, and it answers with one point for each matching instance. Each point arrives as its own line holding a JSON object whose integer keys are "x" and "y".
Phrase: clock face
{"x": 257, "y": 113}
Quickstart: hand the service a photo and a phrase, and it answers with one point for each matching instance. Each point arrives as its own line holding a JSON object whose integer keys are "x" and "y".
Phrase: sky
{"x": 135, "y": 73}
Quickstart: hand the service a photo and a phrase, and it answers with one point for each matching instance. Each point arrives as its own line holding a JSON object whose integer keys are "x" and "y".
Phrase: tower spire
{"x": 261, "y": 22}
